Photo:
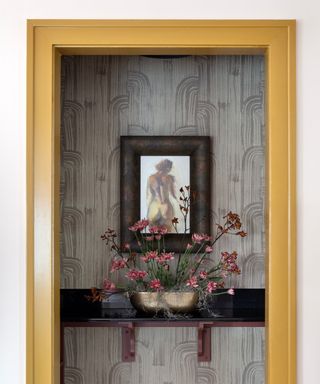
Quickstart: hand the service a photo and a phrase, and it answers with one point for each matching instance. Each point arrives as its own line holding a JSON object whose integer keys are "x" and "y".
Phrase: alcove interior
{"x": 104, "y": 97}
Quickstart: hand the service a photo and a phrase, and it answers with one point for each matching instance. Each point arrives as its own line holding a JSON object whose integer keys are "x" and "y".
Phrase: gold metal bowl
{"x": 154, "y": 302}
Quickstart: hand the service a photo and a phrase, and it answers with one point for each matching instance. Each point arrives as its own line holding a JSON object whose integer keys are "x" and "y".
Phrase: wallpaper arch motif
{"x": 104, "y": 97}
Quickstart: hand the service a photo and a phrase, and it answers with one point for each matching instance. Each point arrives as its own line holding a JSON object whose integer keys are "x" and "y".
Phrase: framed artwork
{"x": 153, "y": 170}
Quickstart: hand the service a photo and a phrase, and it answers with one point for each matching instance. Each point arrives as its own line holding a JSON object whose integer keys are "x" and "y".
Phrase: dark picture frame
{"x": 131, "y": 149}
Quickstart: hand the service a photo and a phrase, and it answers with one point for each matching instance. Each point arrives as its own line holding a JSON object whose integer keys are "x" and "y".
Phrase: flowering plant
{"x": 154, "y": 269}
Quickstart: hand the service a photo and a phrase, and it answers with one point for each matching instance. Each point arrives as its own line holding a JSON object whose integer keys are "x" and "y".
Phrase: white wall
{"x": 12, "y": 152}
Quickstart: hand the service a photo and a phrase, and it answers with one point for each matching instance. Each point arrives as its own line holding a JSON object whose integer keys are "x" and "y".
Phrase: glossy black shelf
{"x": 246, "y": 306}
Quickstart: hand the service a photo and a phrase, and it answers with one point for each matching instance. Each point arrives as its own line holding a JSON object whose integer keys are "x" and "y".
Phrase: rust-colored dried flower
{"x": 175, "y": 220}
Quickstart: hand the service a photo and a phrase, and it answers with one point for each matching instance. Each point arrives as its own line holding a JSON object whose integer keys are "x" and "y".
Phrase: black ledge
{"x": 247, "y": 305}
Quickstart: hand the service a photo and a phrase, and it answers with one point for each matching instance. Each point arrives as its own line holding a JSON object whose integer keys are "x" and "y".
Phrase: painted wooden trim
{"x": 49, "y": 38}
{"x": 30, "y": 216}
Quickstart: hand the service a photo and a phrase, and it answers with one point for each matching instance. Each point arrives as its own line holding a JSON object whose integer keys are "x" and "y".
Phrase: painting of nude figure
{"x": 161, "y": 177}
{"x": 152, "y": 171}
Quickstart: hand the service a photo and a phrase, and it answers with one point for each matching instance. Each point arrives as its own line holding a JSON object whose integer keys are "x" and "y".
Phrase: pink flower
{"x": 231, "y": 291}
{"x": 165, "y": 257}
{"x": 142, "y": 274}
{"x": 118, "y": 264}
{"x": 192, "y": 282}
{"x": 203, "y": 275}
{"x": 135, "y": 274}
{"x": 212, "y": 286}
{"x": 168, "y": 255}
{"x": 139, "y": 225}
{"x": 160, "y": 260}
{"x": 158, "y": 237}
{"x": 126, "y": 246}
{"x": 153, "y": 229}
{"x": 149, "y": 256}
{"x": 189, "y": 246}
{"x": 156, "y": 284}
{"x": 163, "y": 230}
{"x": 108, "y": 285}
{"x": 149, "y": 238}
{"x": 198, "y": 238}
{"x": 158, "y": 229}
{"x": 208, "y": 249}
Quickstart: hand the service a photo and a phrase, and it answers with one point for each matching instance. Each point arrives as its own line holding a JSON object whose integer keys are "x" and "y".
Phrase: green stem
{"x": 220, "y": 293}
{"x": 186, "y": 251}
{"x": 138, "y": 241}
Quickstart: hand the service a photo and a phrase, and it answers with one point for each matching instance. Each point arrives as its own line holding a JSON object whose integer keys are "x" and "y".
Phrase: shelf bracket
{"x": 204, "y": 342}
{"x": 128, "y": 342}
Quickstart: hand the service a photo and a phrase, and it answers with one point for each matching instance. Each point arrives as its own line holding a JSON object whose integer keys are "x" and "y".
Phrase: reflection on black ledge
{"x": 246, "y": 306}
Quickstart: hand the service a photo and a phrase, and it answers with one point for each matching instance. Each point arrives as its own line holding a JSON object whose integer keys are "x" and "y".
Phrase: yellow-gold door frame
{"x": 47, "y": 41}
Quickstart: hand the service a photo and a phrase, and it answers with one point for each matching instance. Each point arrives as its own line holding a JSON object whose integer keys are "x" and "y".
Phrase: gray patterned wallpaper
{"x": 104, "y": 97}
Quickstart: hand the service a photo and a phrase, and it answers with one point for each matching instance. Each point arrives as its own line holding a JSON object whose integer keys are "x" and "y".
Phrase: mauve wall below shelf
{"x": 105, "y": 97}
